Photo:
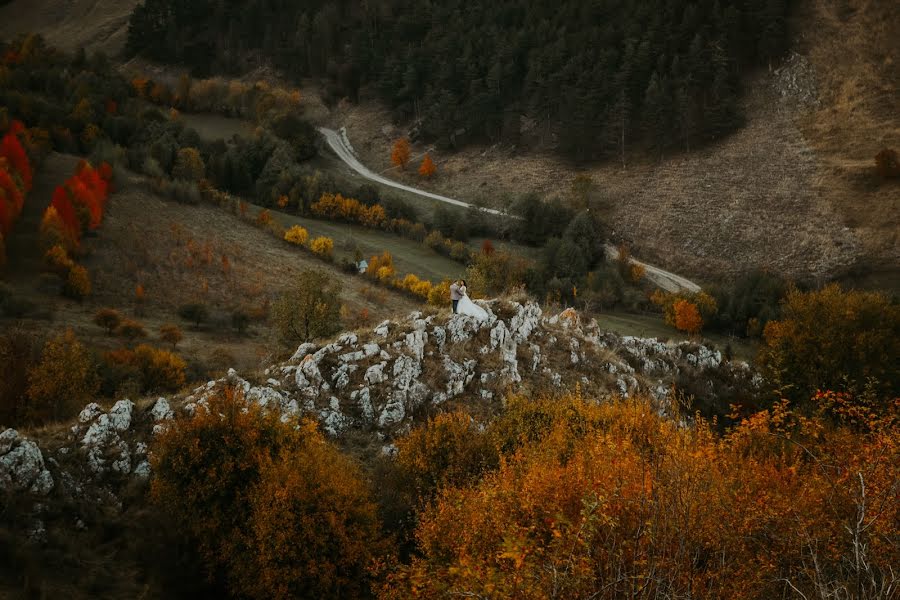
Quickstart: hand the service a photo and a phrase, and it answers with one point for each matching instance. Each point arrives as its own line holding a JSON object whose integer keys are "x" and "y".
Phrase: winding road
{"x": 340, "y": 144}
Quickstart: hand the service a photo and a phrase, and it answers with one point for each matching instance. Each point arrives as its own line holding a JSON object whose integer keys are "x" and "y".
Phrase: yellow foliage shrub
{"x": 322, "y": 246}
{"x": 297, "y": 235}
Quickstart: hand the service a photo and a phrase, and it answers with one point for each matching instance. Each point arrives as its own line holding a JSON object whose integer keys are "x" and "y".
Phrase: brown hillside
{"x": 794, "y": 190}
{"x": 97, "y": 25}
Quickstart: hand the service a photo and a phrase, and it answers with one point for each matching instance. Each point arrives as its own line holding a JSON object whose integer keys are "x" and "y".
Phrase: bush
{"x": 449, "y": 450}
{"x": 297, "y": 235}
{"x": 240, "y": 321}
{"x": 195, "y": 312}
{"x": 553, "y": 519}
{"x": 273, "y": 509}
{"x": 322, "y": 246}
{"x": 833, "y": 339}
{"x": 108, "y": 319}
{"x": 309, "y": 311}
{"x": 78, "y": 283}
{"x": 171, "y": 334}
{"x": 161, "y": 370}
{"x": 19, "y": 352}
{"x": 131, "y": 330}
{"x": 189, "y": 165}
{"x": 887, "y": 163}
{"x": 62, "y": 382}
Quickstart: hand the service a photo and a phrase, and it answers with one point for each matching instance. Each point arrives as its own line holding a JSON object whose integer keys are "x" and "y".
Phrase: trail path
{"x": 340, "y": 144}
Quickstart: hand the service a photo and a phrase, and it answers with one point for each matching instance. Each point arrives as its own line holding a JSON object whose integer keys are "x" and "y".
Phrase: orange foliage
{"x": 427, "y": 168}
{"x": 487, "y": 247}
{"x": 265, "y": 502}
{"x": 400, "y": 153}
{"x": 335, "y": 206}
{"x": 613, "y": 501}
{"x": 687, "y": 317}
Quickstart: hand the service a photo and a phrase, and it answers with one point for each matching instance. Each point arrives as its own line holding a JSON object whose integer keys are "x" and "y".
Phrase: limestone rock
{"x": 22, "y": 465}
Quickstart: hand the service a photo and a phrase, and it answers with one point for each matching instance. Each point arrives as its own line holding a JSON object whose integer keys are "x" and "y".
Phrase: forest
{"x": 597, "y": 77}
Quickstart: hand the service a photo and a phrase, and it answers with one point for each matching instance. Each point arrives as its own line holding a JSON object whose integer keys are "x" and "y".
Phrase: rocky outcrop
{"x": 22, "y": 465}
{"x": 381, "y": 381}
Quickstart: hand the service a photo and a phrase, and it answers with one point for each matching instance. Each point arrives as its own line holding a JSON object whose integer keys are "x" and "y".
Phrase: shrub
{"x": 62, "y": 382}
{"x": 440, "y": 294}
{"x": 240, "y": 321}
{"x": 131, "y": 330}
{"x": 297, "y": 235}
{"x": 78, "y": 283}
{"x": 19, "y": 352}
{"x": 554, "y": 518}
{"x": 171, "y": 334}
{"x": 833, "y": 339}
{"x": 189, "y": 165}
{"x": 449, "y": 450}
{"x": 108, "y": 319}
{"x": 309, "y": 311}
{"x": 161, "y": 370}
{"x": 887, "y": 163}
{"x": 322, "y": 246}
{"x": 272, "y": 508}
{"x": 194, "y": 312}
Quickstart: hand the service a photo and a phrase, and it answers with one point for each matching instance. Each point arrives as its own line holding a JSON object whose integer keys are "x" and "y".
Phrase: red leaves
{"x": 11, "y": 149}
{"x": 66, "y": 211}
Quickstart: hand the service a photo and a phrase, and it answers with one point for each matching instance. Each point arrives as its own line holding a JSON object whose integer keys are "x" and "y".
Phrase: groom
{"x": 454, "y": 294}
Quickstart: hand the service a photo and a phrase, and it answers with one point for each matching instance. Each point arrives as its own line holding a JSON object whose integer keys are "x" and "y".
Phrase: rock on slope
{"x": 380, "y": 382}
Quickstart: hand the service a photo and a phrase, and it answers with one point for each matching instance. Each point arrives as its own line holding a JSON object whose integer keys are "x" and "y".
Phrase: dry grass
{"x": 793, "y": 191}
{"x": 175, "y": 251}
{"x": 97, "y": 25}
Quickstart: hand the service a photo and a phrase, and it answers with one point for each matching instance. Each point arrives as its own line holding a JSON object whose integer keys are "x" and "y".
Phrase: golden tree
{"x": 171, "y": 334}
{"x": 62, "y": 382}
{"x": 296, "y": 235}
{"x": 400, "y": 153}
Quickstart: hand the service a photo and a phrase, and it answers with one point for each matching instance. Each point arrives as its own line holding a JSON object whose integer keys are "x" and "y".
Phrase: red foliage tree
{"x": 66, "y": 211}
{"x": 11, "y": 191}
{"x": 11, "y": 149}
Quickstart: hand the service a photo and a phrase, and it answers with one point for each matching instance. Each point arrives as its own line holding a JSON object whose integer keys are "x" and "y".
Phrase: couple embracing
{"x": 462, "y": 305}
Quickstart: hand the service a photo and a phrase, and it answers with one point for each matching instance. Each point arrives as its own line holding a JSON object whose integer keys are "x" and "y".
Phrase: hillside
{"x": 96, "y": 25}
{"x": 794, "y": 190}
{"x": 175, "y": 252}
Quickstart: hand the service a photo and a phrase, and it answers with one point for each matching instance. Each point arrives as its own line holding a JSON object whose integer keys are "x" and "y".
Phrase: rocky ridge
{"x": 380, "y": 382}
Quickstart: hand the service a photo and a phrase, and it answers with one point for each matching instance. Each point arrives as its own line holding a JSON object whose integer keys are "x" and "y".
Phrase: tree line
{"x": 597, "y": 77}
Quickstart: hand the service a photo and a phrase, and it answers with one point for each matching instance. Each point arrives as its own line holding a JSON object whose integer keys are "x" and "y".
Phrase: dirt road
{"x": 340, "y": 144}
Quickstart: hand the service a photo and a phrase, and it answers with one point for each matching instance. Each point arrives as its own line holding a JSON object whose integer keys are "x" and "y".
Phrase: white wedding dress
{"x": 467, "y": 307}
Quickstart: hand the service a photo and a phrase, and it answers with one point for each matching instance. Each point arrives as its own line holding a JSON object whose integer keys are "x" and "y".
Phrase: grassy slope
{"x": 794, "y": 190}
{"x": 145, "y": 239}
{"x": 97, "y": 25}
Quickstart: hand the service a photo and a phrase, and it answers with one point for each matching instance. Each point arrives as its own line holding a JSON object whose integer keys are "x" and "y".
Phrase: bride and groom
{"x": 462, "y": 304}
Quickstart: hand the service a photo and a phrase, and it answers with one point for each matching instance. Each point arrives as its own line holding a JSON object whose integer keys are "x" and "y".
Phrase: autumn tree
{"x": 322, "y": 246}
{"x": 833, "y": 339}
{"x": 62, "y": 382}
{"x": 400, "y": 153}
{"x": 108, "y": 319}
{"x": 78, "y": 283}
{"x": 687, "y": 317}
{"x": 171, "y": 334}
{"x": 131, "y": 330}
{"x": 273, "y": 508}
{"x": 310, "y": 310}
{"x": 427, "y": 169}
{"x": 161, "y": 370}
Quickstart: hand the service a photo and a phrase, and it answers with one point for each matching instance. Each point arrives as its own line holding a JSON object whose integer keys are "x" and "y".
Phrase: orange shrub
{"x": 273, "y": 508}
{"x": 162, "y": 371}
{"x": 687, "y": 317}
{"x": 622, "y": 503}
{"x": 322, "y": 246}
{"x": 297, "y": 235}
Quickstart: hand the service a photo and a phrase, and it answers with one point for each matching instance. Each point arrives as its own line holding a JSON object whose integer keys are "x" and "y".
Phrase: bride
{"x": 467, "y": 307}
